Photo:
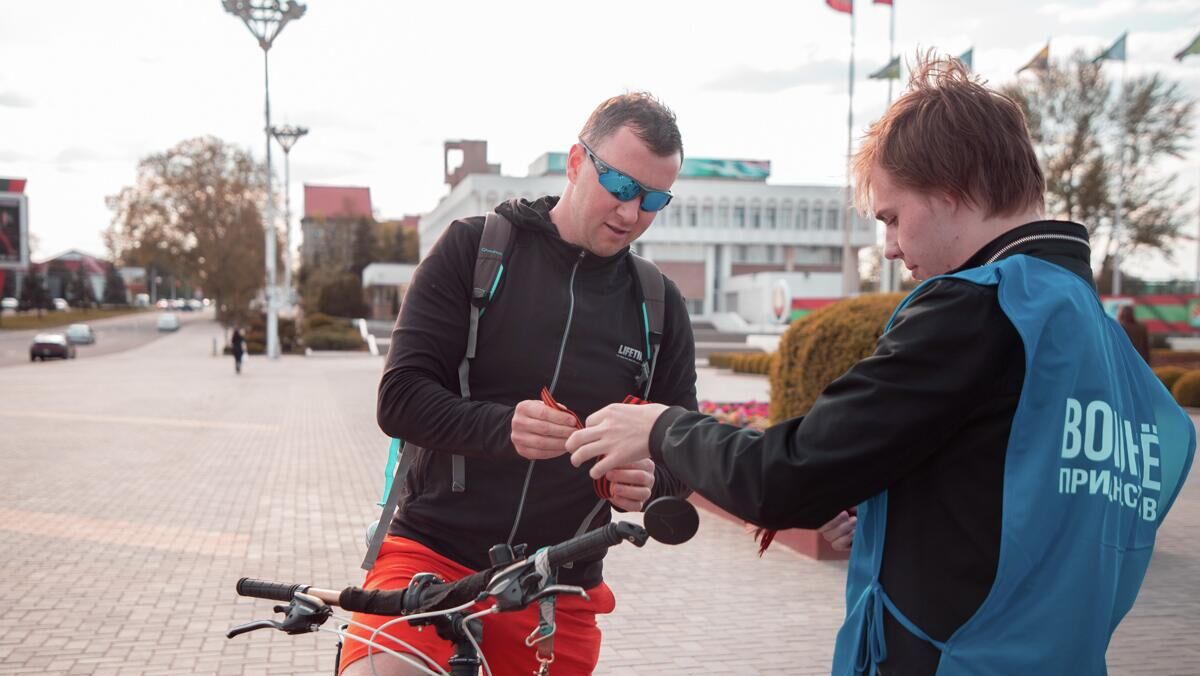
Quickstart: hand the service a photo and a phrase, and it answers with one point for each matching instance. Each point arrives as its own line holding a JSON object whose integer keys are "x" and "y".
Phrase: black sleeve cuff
{"x": 658, "y": 433}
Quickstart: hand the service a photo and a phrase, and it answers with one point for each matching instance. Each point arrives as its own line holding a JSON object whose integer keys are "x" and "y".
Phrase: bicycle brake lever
{"x": 305, "y": 614}
{"x": 555, "y": 589}
{"x": 251, "y": 626}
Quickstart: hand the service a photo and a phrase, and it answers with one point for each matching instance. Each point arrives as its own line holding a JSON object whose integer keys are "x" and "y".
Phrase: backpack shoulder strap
{"x": 489, "y": 268}
{"x": 654, "y": 302}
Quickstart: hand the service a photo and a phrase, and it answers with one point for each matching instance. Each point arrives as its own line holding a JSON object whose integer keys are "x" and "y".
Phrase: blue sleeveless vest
{"x": 1097, "y": 454}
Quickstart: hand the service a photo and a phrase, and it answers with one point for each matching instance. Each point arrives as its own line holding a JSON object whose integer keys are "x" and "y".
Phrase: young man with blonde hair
{"x": 1010, "y": 454}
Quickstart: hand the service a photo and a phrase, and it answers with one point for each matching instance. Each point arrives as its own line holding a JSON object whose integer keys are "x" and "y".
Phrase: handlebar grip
{"x": 595, "y": 543}
{"x": 276, "y": 591}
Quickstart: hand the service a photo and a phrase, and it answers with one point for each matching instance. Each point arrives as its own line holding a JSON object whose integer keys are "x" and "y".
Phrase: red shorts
{"x": 576, "y": 641}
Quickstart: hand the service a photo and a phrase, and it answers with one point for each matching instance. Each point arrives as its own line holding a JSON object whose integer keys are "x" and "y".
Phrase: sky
{"x": 88, "y": 88}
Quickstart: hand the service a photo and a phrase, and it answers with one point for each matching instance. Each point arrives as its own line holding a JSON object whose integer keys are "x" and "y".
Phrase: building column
{"x": 710, "y": 278}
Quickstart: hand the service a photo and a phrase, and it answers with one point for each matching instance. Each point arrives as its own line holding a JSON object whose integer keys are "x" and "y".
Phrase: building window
{"x": 785, "y": 218}
{"x": 739, "y": 217}
{"x": 723, "y": 216}
{"x": 831, "y": 220}
{"x": 816, "y": 220}
{"x": 755, "y": 217}
{"x": 769, "y": 218}
{"x": 691, "y": 216}
{"x": 706, "y": 216}
{"x": 802, "y": 217}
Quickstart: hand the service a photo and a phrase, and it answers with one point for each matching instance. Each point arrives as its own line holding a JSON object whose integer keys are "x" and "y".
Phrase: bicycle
{"x": 512, "y": 583}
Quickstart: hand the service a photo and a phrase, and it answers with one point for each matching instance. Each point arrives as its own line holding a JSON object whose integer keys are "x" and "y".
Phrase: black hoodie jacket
{"x": 560, "y": 318}
{"x": 926, "y": 417}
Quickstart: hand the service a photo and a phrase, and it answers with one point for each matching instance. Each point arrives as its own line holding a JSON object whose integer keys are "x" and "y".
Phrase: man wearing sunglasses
{"x": 566, "y": 314}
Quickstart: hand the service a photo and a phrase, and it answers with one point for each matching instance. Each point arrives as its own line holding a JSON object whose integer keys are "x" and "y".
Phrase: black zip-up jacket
{"x": 926, "y": 417}
{"x": 560, "y": 318}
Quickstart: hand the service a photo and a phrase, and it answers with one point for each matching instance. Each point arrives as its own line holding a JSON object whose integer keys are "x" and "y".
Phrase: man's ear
{"x": 575, "y": 159}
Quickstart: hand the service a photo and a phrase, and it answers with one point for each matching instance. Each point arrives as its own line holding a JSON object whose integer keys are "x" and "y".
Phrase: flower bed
{"x": 753, "y": 414}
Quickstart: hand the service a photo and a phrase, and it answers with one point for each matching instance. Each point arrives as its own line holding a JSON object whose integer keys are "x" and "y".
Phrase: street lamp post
{"x": 266, "y": 19}
{"x": 287, "y": 137}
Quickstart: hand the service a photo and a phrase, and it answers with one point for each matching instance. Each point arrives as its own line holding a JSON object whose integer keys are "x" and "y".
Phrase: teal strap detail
{"x": 389, "y": 470}
{"x": 646, "y": 328}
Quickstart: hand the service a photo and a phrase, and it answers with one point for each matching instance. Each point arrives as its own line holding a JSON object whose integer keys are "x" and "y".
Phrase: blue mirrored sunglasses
{"x": 625, "y": 187}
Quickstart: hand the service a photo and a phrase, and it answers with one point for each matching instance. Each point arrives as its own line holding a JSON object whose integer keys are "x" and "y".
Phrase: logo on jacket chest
{"x": 630, "y": 354}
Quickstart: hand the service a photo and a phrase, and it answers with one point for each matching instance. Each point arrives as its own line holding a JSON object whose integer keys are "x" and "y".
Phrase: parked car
{"x": 168, "y": 321}
{"x": 60, "y": 304}
{"x": 80, "y": 334}
{"x": 9, "y": 304}
{"x": 142, "y": 300}
{"x": 194, "y": 305}
{"x": 51, "y": 346}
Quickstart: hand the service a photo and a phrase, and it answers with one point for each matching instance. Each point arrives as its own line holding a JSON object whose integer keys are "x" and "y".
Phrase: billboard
{"x": 14, "y": 225}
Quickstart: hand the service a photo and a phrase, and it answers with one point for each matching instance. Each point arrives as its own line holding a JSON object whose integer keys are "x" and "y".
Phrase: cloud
{"x": 14, "y": 100}
{"x": 13, "y": 156}
{"x": 751, "y": 80}
{"x": 1113, "y": 8}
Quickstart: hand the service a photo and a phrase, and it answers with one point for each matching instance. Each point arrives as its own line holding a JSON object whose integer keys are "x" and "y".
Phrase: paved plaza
{"x": 137, "y": 487}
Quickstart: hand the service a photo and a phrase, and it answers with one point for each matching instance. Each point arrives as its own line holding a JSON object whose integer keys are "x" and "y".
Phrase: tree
{"x": 79, "y": 291}
{"x": 366, "y": 246}
{"x": 1080, "y": 129}
{"x": 194, "y": 214}
{"x": 343, "y": 297}
{"x": 114, "y": 287}
{"x": 33, "y": 292}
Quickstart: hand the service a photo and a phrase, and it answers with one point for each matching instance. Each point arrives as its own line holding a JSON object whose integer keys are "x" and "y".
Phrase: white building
{"x": 726, "y": 222}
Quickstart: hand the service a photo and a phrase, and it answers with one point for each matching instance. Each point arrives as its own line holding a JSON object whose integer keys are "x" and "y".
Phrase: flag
{"x": 1193, "y": 48}
{"x": 889, "y": 72}
{"x": 968, "y": 58}
{"x": 1114, "y": 53}
{"x": 846, "y": 6}
{"x": 1040, "y": 61}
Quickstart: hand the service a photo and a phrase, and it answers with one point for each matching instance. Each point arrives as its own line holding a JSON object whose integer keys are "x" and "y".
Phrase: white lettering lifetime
{"x": 1107, "y": 459}
{"x": 630, "y": 353}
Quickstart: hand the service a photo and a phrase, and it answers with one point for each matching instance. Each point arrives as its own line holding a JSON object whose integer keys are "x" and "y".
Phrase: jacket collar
{"x": 1063, "y": 243}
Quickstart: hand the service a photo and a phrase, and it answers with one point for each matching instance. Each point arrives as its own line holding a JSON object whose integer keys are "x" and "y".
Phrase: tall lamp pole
{"x": 287, "y": 137}
{"x": 266, "y": 19}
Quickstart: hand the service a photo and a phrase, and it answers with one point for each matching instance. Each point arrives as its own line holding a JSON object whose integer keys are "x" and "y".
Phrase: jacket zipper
{"x": 1031, "y": 238}
{"x": 553, "y": 383}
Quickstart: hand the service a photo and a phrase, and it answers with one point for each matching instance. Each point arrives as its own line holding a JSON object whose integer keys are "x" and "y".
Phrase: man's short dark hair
{"x": 645, "y": 115}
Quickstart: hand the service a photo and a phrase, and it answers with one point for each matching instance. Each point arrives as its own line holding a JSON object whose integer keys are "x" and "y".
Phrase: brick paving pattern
{"x": 135, "y": 489}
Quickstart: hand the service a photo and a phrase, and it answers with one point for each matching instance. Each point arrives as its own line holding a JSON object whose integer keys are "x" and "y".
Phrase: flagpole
{"x": 848, "y": 265}
{"x": 1117, "y": 225}
{"x": 888, "y": 270}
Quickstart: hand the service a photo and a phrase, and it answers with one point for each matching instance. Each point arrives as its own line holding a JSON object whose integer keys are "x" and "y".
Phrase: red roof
{"x": 334, "y": 202}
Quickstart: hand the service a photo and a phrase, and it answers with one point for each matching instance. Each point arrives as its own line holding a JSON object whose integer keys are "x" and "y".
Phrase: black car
{"x": 51, "y": 346}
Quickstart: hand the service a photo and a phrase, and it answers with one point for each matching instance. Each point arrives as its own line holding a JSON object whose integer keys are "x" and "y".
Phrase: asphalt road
{"x": 115, "y": 334}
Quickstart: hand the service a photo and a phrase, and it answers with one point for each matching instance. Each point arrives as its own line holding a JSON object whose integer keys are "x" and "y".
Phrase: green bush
{"x": 818, "y": 348}
{"x": 1169, "y": 375}
{"x": 751, "y": 362}
{"x": 317, "y": 320}
{"x": 721, "y": 360}
{"x": 334, "y": 338}
{"x": 1187, "y": 389}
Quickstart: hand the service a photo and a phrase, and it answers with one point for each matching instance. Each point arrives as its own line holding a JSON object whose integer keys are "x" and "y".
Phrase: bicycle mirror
{"x": 671, "y": 520}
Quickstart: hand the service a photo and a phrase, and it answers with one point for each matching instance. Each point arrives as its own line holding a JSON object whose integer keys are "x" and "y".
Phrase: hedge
{"x": 333, "y": 338}
{"x": 1169, "y": 375}
{"x": 818, "y": 348}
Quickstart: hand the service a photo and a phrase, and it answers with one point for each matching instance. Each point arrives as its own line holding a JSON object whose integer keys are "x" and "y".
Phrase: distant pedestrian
{"x": 1138, "y": 335}
{"x": 238, "y": 343}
